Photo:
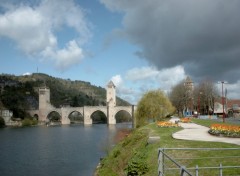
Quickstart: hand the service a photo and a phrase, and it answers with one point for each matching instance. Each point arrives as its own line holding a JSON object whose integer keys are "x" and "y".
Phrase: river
{"x": 68, "y": 150}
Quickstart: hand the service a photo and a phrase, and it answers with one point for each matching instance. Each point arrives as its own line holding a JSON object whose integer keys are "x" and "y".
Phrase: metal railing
{"x": 170, "y": 164}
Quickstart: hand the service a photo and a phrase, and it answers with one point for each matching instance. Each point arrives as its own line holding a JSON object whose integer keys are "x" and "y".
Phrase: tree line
{"x": 201, "y": 99}
{"x": 156, "y": 105}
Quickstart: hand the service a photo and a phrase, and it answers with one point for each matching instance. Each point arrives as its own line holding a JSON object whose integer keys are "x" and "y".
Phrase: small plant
{"x": 225, "y": 130}
{"x": 137, "y": 165}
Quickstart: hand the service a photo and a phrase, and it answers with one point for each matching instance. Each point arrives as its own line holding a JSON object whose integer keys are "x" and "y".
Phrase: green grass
{"x": 134, "y": 153}
{"x": 208, "y": 122}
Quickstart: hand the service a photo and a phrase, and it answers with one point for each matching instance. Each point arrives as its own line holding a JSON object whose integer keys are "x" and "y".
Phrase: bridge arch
{"x": 89, "y": 110}
{"x": 98, "y": 116}
{"x": 123, "y": 116}
{"x": 54, "y": 116}
{"x": 35, "y": 116}
{"x": 76, "y": 117}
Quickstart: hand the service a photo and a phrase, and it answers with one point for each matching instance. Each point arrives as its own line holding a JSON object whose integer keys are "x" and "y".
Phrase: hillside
{"x": 21, "y": 92}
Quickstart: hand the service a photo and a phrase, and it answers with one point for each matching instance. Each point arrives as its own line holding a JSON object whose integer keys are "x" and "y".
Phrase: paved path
{"x": 196, "y": 132}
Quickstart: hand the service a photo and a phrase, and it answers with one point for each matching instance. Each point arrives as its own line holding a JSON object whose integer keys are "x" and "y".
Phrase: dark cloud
{"x": 201, "y": 35}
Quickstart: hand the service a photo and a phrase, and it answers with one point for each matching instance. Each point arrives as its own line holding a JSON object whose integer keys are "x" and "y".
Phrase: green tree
{"x": 154, "y": 105}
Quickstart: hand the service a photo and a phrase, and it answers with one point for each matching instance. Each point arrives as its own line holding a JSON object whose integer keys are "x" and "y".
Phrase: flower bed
{"x": 166, "y": 124}
{"x": 185, "y": 120}
{"x": 225, "y": 130}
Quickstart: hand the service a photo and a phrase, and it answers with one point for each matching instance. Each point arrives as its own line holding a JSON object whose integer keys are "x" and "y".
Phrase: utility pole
{"x": 200, "y": 93}
{"x": 223, "y": 116}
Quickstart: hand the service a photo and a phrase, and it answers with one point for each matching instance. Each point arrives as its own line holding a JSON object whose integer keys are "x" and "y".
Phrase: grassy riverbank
{"x": 135, "y": 155}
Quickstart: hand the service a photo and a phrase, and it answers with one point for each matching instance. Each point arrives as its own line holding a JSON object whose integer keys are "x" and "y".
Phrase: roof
{"x": 111, "y": 84}
{"x": 230, "y": 103}
{"x": 188, "y": 80}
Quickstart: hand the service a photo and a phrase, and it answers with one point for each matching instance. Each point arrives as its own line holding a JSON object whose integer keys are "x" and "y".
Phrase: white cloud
{"x": 164, "y": 78}
{"x": 136, "y": 74}
{"x": 34, "y": 29}
{"x": 65, "y": 57}
{"x": 123, "y": 90}
{"x": 139, "y": 80}
{"x": 117, "y": 80}
{"x": 27, "y": 74}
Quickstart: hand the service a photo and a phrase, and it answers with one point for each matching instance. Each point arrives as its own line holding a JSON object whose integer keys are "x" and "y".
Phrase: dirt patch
{"x": 121, "y": 134}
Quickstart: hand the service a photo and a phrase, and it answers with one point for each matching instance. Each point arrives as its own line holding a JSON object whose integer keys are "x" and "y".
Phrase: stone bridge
{"x": 45, "y": 108}
{"x": 85, "y": 111}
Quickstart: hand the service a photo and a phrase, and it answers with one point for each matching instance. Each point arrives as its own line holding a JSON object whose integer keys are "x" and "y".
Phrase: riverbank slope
{"x": 137, "y": 155}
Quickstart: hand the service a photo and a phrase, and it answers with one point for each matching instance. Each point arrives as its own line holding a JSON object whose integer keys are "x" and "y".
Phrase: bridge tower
{"x": 111, "y": 94}
{"x": 44, "y": 102}
{"x": 111, "y": 102}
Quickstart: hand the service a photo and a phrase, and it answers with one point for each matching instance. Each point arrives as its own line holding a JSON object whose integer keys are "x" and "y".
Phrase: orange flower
{"x": 228, "y": 130}
{"x": 185, "y": 120}
{"x": 166, "y": 124}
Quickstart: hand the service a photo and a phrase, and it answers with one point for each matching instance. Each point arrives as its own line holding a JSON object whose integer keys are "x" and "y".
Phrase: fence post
{"x": 163, "y": 162}
{"x": 160, "y": 162}
{"x": 196, "y": 170}
{"x": 182, "y": 172}
{"x": 220, "y": 170}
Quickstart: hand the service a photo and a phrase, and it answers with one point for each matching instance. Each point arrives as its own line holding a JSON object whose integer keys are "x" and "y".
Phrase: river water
{"x": 68, "y": 150}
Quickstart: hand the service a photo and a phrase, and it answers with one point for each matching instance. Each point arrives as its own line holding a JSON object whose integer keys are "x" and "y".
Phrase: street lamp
{"x": 223, "y": 116}
{"x": 199, "y": 102}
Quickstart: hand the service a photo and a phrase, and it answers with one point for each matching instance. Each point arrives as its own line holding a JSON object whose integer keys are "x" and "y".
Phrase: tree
{"x": 207, "y": 93}
{"x": 154, "y": 105}
{"x": 180, "y": 97}
{"x": 200, "y": 99}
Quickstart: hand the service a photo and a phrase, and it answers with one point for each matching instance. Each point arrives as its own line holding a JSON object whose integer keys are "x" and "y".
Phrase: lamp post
{"x": 199, "y": 102}
{"x": 223, "y": 116}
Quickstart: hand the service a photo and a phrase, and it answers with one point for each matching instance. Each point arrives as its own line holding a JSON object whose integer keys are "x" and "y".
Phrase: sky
{"x": 140, "y": 45}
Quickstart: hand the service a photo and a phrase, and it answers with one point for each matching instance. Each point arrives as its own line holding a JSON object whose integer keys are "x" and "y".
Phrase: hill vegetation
{"x": 20, "y": 93}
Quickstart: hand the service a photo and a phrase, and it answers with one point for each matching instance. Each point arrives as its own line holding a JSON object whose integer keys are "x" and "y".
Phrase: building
{"x": 189, "y": 86}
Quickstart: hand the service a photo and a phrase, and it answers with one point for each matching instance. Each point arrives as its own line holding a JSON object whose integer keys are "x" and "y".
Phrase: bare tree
{"x": 180, "y": 97}
{"x": 204, "y": 96}
{"x": 200, "y": 99}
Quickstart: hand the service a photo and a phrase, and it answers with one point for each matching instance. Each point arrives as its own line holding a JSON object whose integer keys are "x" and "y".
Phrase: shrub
{"x": 137, "y": 165}
{"x": 29, "y": 122}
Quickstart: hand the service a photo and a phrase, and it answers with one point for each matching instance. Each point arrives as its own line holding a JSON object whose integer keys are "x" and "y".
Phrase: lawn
{"x": 135, "y": 156}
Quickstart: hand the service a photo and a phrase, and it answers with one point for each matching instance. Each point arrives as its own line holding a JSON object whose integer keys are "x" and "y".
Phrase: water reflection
{"x": 59, "y": 150}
